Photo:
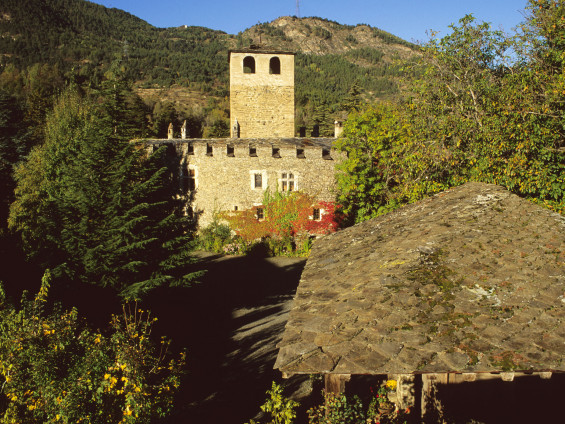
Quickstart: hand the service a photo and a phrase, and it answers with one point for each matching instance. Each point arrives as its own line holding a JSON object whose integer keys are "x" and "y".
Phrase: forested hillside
{"x": 187, "y": 66}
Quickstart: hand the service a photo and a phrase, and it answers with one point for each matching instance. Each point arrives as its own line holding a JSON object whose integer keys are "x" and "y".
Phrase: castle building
{"x": 262, "y": 152}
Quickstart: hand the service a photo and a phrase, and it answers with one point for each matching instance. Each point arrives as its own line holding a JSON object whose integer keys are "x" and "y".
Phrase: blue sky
{"x": 408, "y": 19}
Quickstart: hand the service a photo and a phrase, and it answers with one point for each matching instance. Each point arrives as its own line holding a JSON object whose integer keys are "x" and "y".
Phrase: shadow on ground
{"x": 230, "y": 325}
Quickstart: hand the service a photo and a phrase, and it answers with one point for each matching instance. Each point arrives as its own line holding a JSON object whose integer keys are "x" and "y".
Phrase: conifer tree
{"x": 94, "y": 209}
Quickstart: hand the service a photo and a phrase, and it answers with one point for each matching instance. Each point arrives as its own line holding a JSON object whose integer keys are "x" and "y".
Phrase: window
{"x": 260, "y": 212}
{"x": 253, "y": 151}
{"x": 258, "y": 180}
{"x": 190, "y": 149}
{"x": 326, "y": 154}
{"x": 300, "y": 153}
{"x": 316, "y": 214}
{"x": 287, "y": 181}
{"x": 235, "y": 208}
{"x": 209, "y": 150}
{"x": 188, "y": 179}
{"x": 275, "y": 66}
{"x": 249, "y": 65}
{"x": 276, "y": 152}
{"x": 231, "y": 151}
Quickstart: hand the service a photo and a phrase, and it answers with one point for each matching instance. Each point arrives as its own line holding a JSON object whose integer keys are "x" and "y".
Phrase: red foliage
{"x": 285, "y": 215}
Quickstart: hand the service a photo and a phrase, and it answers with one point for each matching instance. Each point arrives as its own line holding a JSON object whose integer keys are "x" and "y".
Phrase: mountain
{"x": 188, "y": 65}
{"x": 321, "y": 36}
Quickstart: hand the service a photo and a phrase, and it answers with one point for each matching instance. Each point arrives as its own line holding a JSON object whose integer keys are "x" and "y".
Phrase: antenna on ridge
{"x": 298, "y": 8}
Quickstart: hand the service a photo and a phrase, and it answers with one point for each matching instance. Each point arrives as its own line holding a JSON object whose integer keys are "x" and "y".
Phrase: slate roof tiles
{"x": 469, "y": 280}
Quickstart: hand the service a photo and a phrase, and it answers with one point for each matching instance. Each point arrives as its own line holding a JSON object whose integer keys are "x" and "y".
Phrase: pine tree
{"x": 94, "y": 209}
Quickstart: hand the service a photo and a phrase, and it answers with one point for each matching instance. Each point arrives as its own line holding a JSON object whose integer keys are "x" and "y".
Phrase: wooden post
{"x": 430, "y": 405}
{"x": 335, "y": 383}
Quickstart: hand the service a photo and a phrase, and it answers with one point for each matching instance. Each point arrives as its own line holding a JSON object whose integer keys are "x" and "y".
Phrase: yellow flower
{"x": 391, "y": 384}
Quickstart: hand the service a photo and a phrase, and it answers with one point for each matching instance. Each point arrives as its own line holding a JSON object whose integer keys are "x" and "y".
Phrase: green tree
{"x": 387, "y": 164}
{"x": 14, "y": 145}
{"x": 94, "y": 208}
{"x": 473, "y": 114}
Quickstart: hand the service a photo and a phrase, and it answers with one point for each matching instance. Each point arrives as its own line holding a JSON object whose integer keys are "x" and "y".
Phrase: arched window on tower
{"x": 275, "y": 66}
{"x": 249, "y": 65}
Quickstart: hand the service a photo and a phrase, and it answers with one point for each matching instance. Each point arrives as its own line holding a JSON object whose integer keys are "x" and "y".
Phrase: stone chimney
{"x": 183, "y": 130}
{"x": 170, "y": 131}
{"x": 338, "y": 128}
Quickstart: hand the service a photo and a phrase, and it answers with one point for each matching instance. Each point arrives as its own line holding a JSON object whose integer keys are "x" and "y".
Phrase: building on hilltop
{"x": 262, "y": 153}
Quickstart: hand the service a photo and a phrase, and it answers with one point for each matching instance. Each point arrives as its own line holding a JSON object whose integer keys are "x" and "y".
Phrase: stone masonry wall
{"x": 223, "y": 182}
{"x": 262, "y": 103}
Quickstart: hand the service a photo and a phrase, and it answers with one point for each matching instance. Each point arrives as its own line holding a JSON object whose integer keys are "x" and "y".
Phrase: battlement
{"x": 276, "y": 148}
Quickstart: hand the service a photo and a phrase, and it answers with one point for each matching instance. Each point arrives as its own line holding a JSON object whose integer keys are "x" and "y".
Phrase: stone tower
{"x": 261, "y": 93}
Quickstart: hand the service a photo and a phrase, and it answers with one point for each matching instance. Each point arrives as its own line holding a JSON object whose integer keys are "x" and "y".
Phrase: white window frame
{"x": 264, "y": 182}
{"x": 322, "y": 212}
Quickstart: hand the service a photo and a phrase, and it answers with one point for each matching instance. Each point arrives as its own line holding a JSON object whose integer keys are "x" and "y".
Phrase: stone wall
{"x": 262, "y": 102}
{"x": 224, "y": 179}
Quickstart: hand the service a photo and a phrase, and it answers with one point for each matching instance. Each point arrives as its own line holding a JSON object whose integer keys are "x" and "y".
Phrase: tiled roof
{"x": 469, "y": 280}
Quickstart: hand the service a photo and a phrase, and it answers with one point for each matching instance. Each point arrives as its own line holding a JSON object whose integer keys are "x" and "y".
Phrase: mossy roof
{"x": 469, "y": 280}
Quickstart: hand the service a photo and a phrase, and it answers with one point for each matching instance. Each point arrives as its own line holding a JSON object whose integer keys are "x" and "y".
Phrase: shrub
{"x": 215, "y": 236}
{"x": 55, "y": 370}
{"x": 288, "y": 217}
{"x": 280, "y": 408}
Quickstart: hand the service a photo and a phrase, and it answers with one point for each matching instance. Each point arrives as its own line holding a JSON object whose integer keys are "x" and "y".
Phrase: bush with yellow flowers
{"x": 53, "y": 369}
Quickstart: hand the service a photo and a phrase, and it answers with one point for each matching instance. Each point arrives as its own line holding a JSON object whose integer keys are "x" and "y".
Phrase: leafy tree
{"x": 93, "y": 208}
{"x": 473, "y": 114}
{"x": 492, "y": 115}
{"x": 387, "y": 164}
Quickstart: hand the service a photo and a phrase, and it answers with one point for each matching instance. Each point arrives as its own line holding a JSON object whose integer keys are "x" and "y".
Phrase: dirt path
{"x": 230, "y": 325}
